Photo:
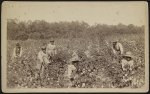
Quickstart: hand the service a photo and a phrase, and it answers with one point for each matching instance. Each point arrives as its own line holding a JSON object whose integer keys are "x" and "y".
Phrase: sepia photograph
{"x": 74, "y": 46}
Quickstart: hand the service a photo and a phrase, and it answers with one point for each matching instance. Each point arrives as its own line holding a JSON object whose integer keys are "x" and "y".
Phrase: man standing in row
{"x": 51, "y": 49}
{"x": 45, "y": 57}
{"x": 43, "y": 60}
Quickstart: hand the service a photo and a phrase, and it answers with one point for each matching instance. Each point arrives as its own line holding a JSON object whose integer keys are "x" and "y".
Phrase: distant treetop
{"x": 40, "y": 29}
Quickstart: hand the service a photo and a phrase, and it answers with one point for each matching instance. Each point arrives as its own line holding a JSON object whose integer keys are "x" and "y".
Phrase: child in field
{"x": 17, "y": 52}
{"x": 72, "y": 68}
{"x": 70, "y": 73}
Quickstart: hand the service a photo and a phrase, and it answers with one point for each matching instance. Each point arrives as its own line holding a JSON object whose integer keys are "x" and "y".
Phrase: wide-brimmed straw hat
{"x": 51, "y": 40}
{"x": 43, "y": 48}
{"x": 116, "y": 40}
{"x": 128, "y": 54}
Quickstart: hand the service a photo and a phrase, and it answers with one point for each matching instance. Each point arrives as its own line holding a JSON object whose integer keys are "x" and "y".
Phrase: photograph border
{"x": 4, "y": 62}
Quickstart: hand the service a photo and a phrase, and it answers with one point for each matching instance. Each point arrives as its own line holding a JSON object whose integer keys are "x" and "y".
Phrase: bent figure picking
{"x": 117, "y": 48}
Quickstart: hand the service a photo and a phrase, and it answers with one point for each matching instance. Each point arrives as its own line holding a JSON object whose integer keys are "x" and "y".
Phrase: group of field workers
{"x": 45, "y": 56}
{"x": 126, "y": 60}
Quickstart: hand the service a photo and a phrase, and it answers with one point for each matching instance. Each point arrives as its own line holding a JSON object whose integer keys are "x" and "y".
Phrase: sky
{"x": 110, "y": 13}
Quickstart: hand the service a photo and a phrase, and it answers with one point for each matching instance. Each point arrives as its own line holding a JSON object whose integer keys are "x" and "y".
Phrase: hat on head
{"x": 43, "y": 48}
{"x": 52, "y": 40}
{"x": 17, "y": 44}
{"x": 128, "y": 54}
{"x": 75, "y": 62}
{"x": 115, "y": 40}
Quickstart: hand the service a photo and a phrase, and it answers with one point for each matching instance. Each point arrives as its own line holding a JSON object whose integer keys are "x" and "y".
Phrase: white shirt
{"x": 43, "y": 57}
{"x": 50, "y": 49}
{"x": 70, "y": 68}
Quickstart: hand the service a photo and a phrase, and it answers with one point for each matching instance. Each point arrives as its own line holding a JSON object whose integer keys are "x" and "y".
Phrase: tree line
{"x": 40, "y": 29}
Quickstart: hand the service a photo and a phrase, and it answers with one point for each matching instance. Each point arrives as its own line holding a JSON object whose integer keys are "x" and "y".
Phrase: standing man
{"x": 42, "y": 61}
{"x": 17, "y": 52}
{"x": 51, "y": 49}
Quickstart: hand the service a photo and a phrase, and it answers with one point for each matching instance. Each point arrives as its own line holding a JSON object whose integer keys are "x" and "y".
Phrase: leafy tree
{"x": 40, "y": 29}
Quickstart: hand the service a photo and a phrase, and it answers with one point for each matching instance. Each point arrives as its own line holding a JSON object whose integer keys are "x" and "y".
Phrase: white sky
{"x": 90, "y": 12}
